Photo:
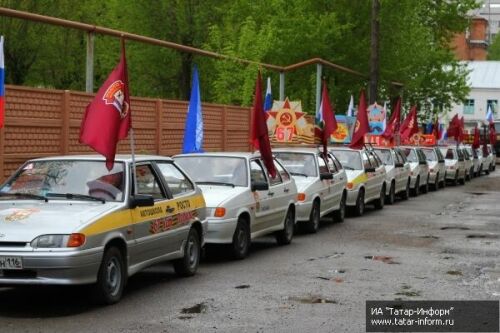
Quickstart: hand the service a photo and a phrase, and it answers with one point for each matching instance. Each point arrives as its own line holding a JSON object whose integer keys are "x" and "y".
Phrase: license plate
{"x": 11, "y": 263}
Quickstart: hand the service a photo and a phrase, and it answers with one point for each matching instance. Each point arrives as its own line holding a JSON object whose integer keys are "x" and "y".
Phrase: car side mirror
{"x": 399, "y": 165}
{"x": 259, "y": 186}
{"x": 422, "y": 162}
{"x": 369, "y": 169}
{"x": 441, "y": 161}
{"x": 141, "y": 200}
{"x": 325, "y": 176}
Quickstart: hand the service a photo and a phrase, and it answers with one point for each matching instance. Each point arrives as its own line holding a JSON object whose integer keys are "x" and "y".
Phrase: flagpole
{"x": 132, "y": 150}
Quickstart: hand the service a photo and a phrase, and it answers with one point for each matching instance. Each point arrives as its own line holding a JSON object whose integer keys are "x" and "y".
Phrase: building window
{"x": 469, "y": 106}
{"x": 493, "y": 103}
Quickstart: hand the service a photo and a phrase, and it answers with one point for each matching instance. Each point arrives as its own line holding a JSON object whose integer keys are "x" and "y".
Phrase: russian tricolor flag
{"x": 2, "y": 86}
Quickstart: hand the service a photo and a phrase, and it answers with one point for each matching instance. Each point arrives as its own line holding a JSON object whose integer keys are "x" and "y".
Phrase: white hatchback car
{"x": 455, "y": 164}
{"x": 476, "y": 163}
{"x": 437, "y": 167}
{"x": 320, "y": 184}
{"x": 365, "y": 178}
{"x": 419, "y": 169}
{"x": 397, "y": 173}
{"x": 243, "y": 201}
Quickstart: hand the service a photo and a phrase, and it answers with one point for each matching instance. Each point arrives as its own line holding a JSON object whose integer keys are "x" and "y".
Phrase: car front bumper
{"x": 220, "y": 231}
{"x": 352, "y": 197}
{"x": 303, "y": 210}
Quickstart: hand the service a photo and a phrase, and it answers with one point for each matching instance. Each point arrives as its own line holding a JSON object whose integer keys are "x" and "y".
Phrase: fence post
{"x": 159, "y": 125}
{"x": 65, "y": 122}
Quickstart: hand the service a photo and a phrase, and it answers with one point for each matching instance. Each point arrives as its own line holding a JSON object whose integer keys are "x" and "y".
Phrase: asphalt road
{"x": 440, "y": 246}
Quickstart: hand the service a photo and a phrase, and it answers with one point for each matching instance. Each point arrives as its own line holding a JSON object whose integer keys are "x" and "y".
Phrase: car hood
{"x": 303, "y": 182}
{"x": 432, "y": 164}
{"x": 355, "y": 176}
{"x": 216, "y": 195}
{"x": 413, "y": 166}
{"x": 24, "y": 221}
{"x": 450, "y": 162}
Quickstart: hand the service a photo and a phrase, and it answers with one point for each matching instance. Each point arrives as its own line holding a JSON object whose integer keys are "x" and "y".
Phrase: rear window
{"x": 384, "y": 155}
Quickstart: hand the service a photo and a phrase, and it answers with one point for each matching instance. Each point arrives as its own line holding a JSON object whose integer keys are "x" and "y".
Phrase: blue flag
{"x": 268, "y": 100}
{"x": 193, "y": 132}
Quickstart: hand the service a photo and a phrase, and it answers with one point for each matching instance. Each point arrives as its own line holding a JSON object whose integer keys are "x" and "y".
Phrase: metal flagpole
{"x": 132, "y": 145}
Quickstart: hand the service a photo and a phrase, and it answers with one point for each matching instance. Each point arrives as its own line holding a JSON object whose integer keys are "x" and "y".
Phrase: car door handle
{"x": 170, "y": 209}
{"x": 270, "y": 194}
{"x": 286, "y": 190}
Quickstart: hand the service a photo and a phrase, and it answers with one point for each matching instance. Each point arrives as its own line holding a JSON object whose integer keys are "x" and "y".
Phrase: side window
{"x": 372, "y": 160}
{"x": 331, "y": 164}
{"x": 460, "y": 154}
{"x": 338, "y": 165}
{"x": 147, "y": 183}
{"x": 277, "y": 179}
{"x": 366, "y": 163}
{"x": 176, "y": 181}
{"x": 256, "y": 172}
{"x": 377, "y": 159}
{"x": 439, "y": 155}
{"x": 399, "y": 160}
{"x": 400, "y": 155}
{"x": 283, "y": 173}
{"x": 322, "y": 165}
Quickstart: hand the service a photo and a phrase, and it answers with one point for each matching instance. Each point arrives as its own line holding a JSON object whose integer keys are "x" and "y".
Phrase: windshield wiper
{"x": 216, "y": 183}
{"x": 298, "y": 174}
{"x": 75, "y": 196}
{"x": 348, "y": 167}
{"x": 24, "y": 195}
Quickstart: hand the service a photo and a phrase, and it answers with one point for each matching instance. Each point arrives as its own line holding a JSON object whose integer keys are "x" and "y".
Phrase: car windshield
{"x": 71, "y": 179}
{"x": 411, "y": 155}
{"x": 430, "y": 154}
{"x": 224, "y": 170}
{"x": 350, "y": 160}
{"x": 385, "y": 155}
{"x": 298, "y": 164}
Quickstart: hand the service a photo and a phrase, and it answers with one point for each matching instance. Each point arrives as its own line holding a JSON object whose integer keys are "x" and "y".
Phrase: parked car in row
{"x": 437, "y": 167}
{"x": 243, "y": 201}
{"x": 455, "y": 164}
{"x": 397, "y": 171}
{"x": 321, "y": 184}
{"x": 366, "y": 178}
{"x": 476, "y": 163}
{"x": 419, "y": 169}
{"x": 68, "y": 220}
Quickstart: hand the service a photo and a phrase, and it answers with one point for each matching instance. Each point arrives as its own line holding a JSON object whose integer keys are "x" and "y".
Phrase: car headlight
{"x": 58, "y": 241}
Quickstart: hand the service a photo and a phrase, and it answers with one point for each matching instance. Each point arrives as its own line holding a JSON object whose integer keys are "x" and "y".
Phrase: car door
{"x": 278, "y": 197}
{"x": 461, "y": 162}
{"x": 339, "y": 180}
{"x": 399, "y": 166}
{"x": 441, "y": 164}
{"x": 379, "y": 170}
{"x": 422, "y": 166}
{"x": 263, "y": 201}
{"x": 327, "y": 193}
{"x": 153, "y": 226}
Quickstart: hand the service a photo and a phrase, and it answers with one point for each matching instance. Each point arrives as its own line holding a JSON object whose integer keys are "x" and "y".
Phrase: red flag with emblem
{"x": 493, "y": 134}
{"x": 394, "y": 122}
{"x": 476, "y": 143}
{"x": 410, "y": 124}
{"x": 454, "y": 127}
{"x": 328, "y": 118}
{"x": 107, "y": 118}
{"x": 259, "y": 136}
{"x": 361, "y": 126}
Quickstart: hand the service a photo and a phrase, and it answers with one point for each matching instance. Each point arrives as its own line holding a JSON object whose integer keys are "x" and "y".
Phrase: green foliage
{"x": 414, "y": 47}
{"x": 494, "y": 49}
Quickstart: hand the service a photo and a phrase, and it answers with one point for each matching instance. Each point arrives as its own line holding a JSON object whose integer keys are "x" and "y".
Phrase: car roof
{"x": 305, "y": 150}
{"x": 94, "y": 157}
{"x": 242, "y": 154}
{"x": 346, "y": 149}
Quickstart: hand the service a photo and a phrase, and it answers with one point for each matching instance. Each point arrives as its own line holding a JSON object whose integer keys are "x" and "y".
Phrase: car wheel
{"x": 392, "y": 195}
{"x": 436, "y": 183}
{"x": 111, "y": 277}
{"x": 359, "y": 209}
{"x": 339, "y": 214}
{"x": 425, "y": 188}
{"x": 312, "y": 225}
{"x": 416, "y": 189}
{"x": 487, "y": 171}
{"x": 379, "y": 204}
{"x": 443, "y": 182}
{"x": 284, "y": 237}
{"x": 241, "y": 239}
{"x": 455, "y": 180}
{"x": 406, "y": 194}
{"x": 471, "y": 173}
{"x": 188, "y": 264}
{"x": 462, "y": 180}
{"x": 480, "y": 172}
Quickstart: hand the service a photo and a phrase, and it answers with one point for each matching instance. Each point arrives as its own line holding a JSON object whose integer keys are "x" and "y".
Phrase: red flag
{"x": 476, "y": 143}
{"x": 410, "y": 124}
{"x": 454, "y": 127}
{"x": 259, "y": 136}
{"x": 435, "y": 129}
{"x": 461, "y": 133}
{"x": 493, "y": 134}
{"x": 394, "y": 122}
{"x": 361, "y": 126}
{"x": 328, "y": 118}
{"x": 107, "y": 118}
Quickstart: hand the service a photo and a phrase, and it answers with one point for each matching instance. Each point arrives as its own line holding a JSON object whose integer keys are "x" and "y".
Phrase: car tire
{"x": 359, "y": 209}
{"x": 241, "y": 239}
{"x": 392, "y": 195}
{"x": 455, "y": 180}
{"x": 339, "y": 214}
{"x": 435, "y": 187}
{"x": 416, "y": 188}
{"x": 379, "y": 203}
{"x": 284, "y": 237}
{"x": 405, "y": 195}
{"x": 480, "y": 172}
{"x": 188, "y": 264}
{"x": 425, "y": 188}
{"x": 443, "y": 182}
{"x": 471, "y": 173}
{"x": 462, "y": 180}
{"x": 111, "y": 277}
{"x": 487, "y": 171}
{"x": 312, "y": 225}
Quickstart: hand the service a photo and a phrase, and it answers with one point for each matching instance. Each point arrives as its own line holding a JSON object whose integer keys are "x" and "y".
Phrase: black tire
{"x": 284, "y": 237}
{"x": 312, "y": 225}
{"x": 462, "y": 181}
{"x": 359, "y": 209}
{"x": 471, "y": 173}
{"x": 443, "y": 182}
{"x": 425, "y": 188}
{"x": 111, "y": 277}
{"x": 416, "y": 189}
{"x": 405, "y": 195}
{"x": 339, "y": 214}
{"x": 389, "y": 199}
{"x": 455, "y": 180}
{"x": 487, "y": 171}
{"x": 241, "y": 239}
{"x": 435, "y": 187}
{"x": 379, "y": 204}
{"x": 188, "y": 264}
{"x": 480, "y": 172}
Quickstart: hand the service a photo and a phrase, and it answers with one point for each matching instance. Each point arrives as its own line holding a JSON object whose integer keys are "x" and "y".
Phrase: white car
{"x": 320, "y": 184}
{"x": 397, "y": 173}
{"x": 243, "y": 201}
{"x": 493, "y": 157}
{"x": 365, "y": 178}
{"x": 419, "y": 169}
{"x": 476, "y": 163}
{"x": 469, "y": 164}
{"x": 68, "y": 220}
{"x": 437, "y": 167}
{"x": 455, "y": 164}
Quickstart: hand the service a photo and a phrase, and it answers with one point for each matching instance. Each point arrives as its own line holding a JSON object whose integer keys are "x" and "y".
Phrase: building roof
{"x": 484, "y": 74}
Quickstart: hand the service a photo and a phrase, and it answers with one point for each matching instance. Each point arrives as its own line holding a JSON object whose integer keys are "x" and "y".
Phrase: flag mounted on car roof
{"x": 394, "y": 124}
{"x": 361, "y": 126}
{"x": 326, "y": 123}
{"x": 193, "y": 131}
{"x": 108, "y": 118}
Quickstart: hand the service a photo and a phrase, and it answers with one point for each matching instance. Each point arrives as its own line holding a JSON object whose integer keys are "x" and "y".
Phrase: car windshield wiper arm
{"x": 216, "y": 183}
{"x": 75, "y": 196}
{"x": 298, "y": 174}
{"x": 24, "y": 195}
